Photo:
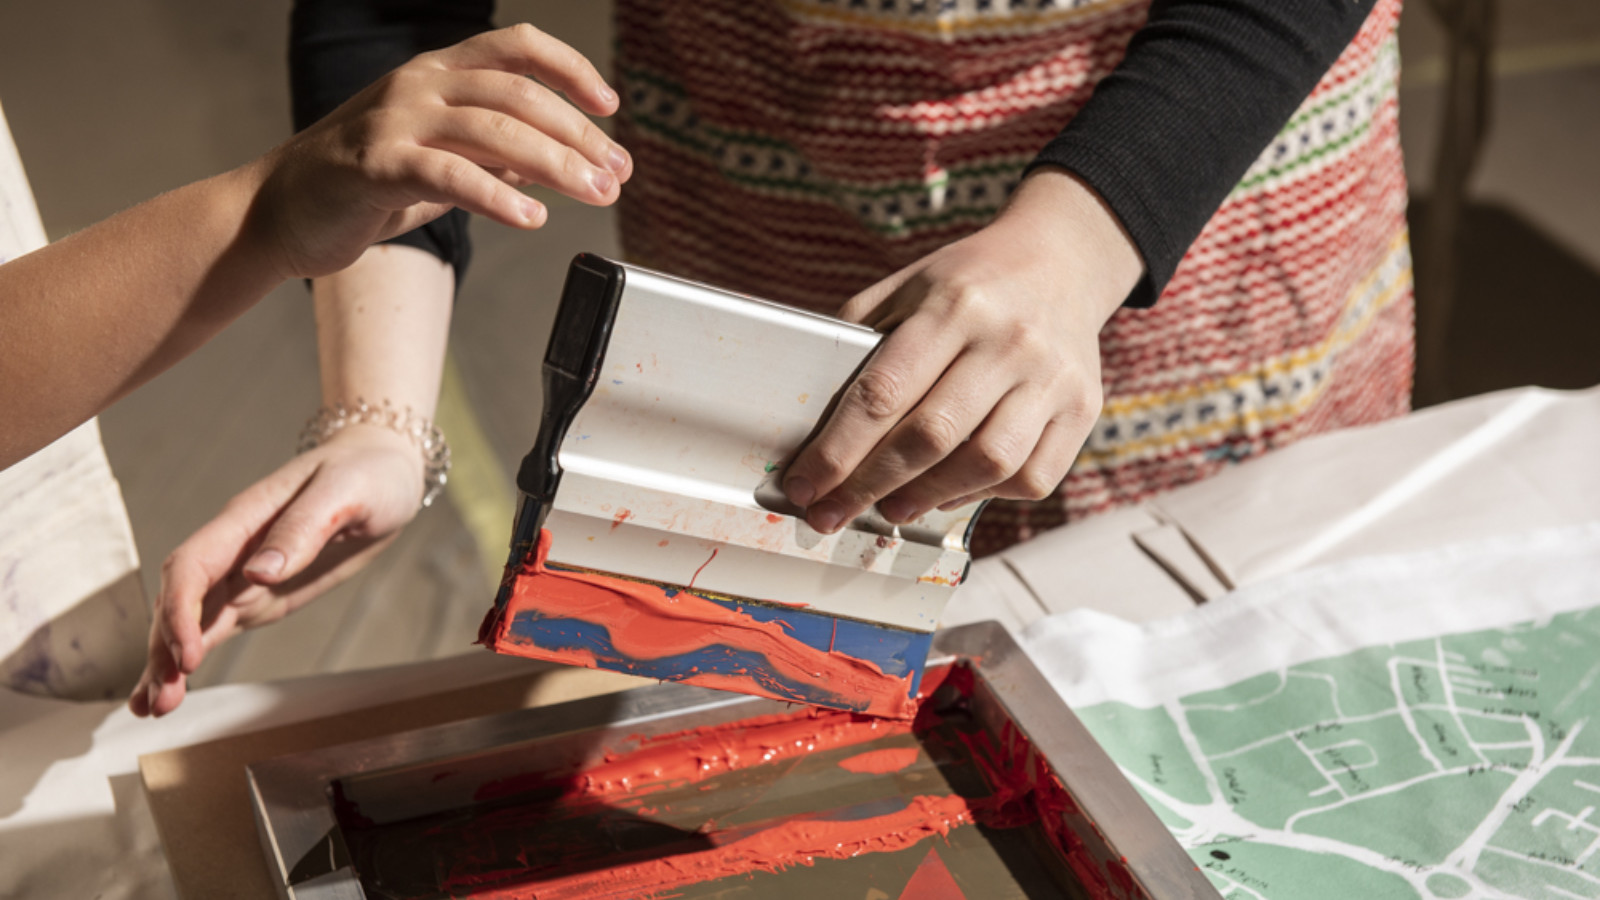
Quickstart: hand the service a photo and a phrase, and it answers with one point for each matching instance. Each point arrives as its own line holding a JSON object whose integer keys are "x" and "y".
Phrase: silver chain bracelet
{"x": 330, "y": 420}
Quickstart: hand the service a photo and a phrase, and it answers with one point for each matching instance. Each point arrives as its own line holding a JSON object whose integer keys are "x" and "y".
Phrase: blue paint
{"x": 714, "y": 659}
{"x": 896, "y": 651}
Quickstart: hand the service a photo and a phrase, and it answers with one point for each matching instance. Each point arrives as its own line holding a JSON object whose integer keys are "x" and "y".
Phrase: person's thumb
{"x": 297, "y": 537}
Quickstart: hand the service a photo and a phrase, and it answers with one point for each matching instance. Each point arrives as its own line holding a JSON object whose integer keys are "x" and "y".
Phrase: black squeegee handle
{"x": 572, "y": 364}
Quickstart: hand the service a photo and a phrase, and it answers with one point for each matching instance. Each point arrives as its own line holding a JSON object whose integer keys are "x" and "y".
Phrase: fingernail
{"x": 267, "y": 563}
{"x": 799, "y": 490}
{"x": 601, "y": 181}
{"x": 532, "y": 211}
{"x": 956, "y": 503}
{"x": 606, "y": 93}
{"x": 825, "y": 516}
{"x": 897, "y": 510}
{"x": 618, "y": 160}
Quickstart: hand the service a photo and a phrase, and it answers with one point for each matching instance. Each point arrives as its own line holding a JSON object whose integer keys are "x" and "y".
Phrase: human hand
{"x": 280, "y": 543}
{"x": 456, "y": 127}
{"x": 989, "y": 379}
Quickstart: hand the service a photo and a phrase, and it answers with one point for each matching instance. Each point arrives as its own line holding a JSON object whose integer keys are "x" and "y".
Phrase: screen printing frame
{"x": 393, "y": 777}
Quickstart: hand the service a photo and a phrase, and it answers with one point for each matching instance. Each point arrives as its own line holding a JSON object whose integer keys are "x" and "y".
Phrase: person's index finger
{"x": 525, "y": 50}
{"x": 206, "y": 558}
{"x": 905, "y": 366}
{"x": 184, "y": 584}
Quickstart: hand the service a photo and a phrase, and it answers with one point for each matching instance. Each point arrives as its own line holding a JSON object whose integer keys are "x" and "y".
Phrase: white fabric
{"x": 1091, "y": 657}
{"x": 1409, "y": 726}
{"x": 69, "y": 591}
{"x": 1499, "y": 464}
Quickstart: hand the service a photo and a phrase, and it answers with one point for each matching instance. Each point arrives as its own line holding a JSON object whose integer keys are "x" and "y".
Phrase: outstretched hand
{"x": 989, "y": 379}
{"x": 456, "y": 127}
{"x": 277, "y": 545}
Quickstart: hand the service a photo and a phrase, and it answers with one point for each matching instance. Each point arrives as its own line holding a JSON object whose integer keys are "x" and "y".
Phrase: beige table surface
{"x": 75, "y": 820}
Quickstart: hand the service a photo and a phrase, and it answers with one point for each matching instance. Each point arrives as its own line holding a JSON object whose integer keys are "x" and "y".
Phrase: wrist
{"x": 261, "y": 231}
{"x": 384, "y": 425}
{"x": 1081, "y": 229}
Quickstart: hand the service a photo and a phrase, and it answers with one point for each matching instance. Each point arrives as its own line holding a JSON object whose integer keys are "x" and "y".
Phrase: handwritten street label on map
{"x": 1458, "y": 764}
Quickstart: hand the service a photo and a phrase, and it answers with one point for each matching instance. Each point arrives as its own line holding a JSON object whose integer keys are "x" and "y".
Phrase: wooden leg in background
{"x": 1470, "y": 26}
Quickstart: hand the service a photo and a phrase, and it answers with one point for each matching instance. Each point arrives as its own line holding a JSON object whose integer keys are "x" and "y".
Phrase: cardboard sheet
{"x": 1096, "y": 564}
{"x": 74, "y": 821}
{"x": 198, "y": 793}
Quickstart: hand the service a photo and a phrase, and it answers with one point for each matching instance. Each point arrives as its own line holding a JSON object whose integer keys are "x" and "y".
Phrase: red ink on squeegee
{"x": 703, "y": 566}
{"x": 588, "y": 619}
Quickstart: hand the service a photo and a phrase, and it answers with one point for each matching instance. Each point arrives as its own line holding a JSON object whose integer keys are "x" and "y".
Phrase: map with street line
{"x": 1456, "y": 767}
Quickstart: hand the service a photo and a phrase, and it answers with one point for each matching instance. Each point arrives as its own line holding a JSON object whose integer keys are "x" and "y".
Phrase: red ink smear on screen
{"x": 695, "y": 755}
{"x": 483, "y": 859}
{"x": 932, "y": 881}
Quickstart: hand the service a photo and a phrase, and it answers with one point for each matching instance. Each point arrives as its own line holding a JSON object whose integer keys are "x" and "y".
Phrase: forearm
{"x": 1204, "y": 87}
{"x": 89, "y": 318}
{"x": 382, "y": 328}
{"x": 1071, "y": 222}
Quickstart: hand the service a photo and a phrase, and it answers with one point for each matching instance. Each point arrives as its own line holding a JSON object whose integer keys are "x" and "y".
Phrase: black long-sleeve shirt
{"x": 1204, "y": 87}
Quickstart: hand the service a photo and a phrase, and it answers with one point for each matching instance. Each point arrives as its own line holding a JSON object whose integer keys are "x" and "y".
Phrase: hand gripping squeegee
{"x": 652, "y": 536}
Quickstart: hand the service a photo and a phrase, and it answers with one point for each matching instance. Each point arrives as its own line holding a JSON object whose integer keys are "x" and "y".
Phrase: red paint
{"x": 703, "y": 566}
{"x": 1121, "y": 878}
{"x": 1016, "y": 771}
{"x": 622, "y": 515}
{"x": 647, "y": 622}
{"x": 774, "y": 518}
{"x": 795, "y": 842}
{"x": 688, "y": 757}
{"x": 932, "y": 881}
{"x": 881, "y": 762}
{"x": 1023, "y": 792}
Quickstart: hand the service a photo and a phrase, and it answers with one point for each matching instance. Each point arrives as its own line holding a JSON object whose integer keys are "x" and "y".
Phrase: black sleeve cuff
{"x": 1203, "y": 89}
{"x": 338, "y": 47}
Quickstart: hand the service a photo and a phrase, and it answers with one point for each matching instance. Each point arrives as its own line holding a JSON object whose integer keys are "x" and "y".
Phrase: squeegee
{"x": 652, "y": 536}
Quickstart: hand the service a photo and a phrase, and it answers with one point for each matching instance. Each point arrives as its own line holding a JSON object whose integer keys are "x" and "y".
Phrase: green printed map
{"x": 1464, "y": 766}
